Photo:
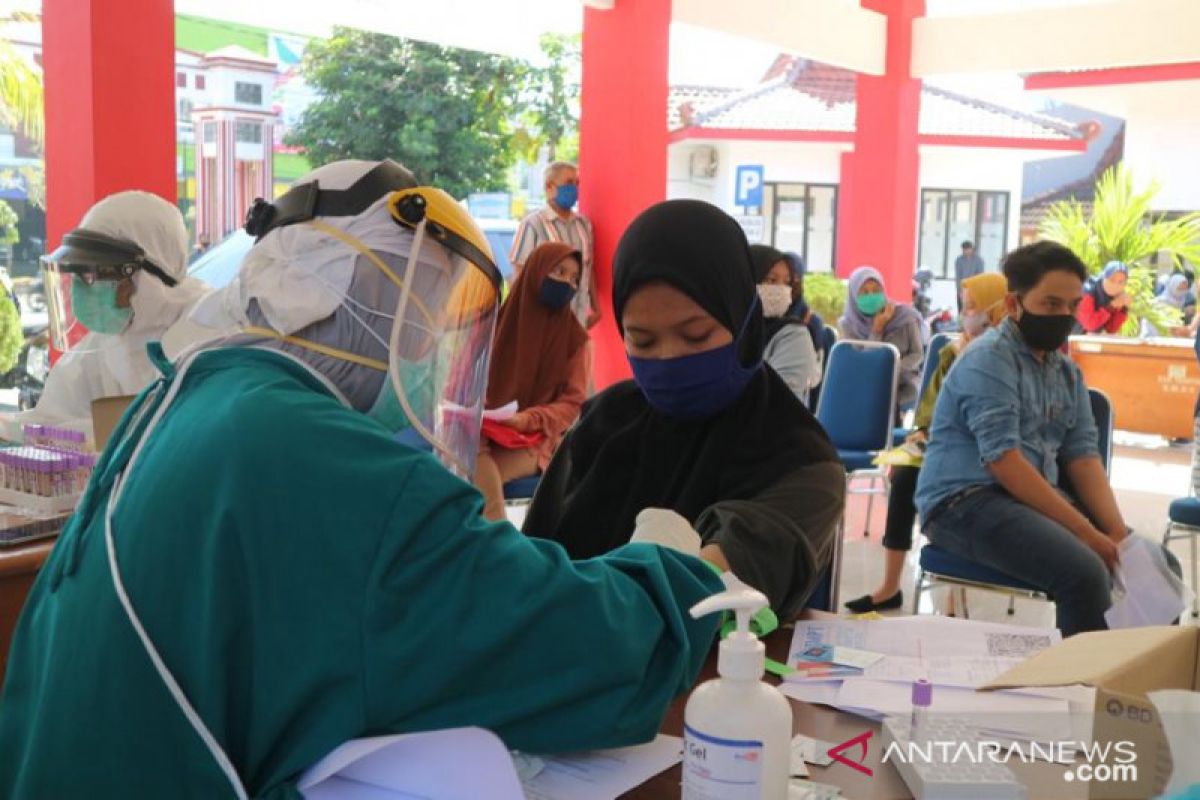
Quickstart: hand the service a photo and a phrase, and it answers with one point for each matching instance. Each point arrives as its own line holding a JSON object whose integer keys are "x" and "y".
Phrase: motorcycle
{"x": 33, "y": 365}
{"x": 28, "y": 376}
{"x": 939, "y": 320}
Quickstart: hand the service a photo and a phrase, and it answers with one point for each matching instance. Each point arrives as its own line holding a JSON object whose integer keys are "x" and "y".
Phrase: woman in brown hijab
{"x": 540, "y": 361}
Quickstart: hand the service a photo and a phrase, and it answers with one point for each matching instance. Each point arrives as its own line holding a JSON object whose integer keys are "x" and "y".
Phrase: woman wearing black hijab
{"x": 703, "y": 429}
{"x": 789, "y": 348}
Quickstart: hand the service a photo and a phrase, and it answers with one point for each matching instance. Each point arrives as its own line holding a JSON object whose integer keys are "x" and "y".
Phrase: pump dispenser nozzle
{"x": 741, "y": 655}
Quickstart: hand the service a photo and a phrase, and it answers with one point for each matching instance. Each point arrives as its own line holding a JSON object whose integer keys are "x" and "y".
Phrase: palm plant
{"x": 1121, "y": 227}
{"x": 21, "y": 100}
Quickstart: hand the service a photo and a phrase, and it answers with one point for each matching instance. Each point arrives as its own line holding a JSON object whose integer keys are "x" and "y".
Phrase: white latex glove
{"x": 664, "y": 527}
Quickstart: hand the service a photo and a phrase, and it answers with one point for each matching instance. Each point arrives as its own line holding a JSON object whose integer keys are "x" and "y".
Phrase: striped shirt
{"x": 543, "y": 226}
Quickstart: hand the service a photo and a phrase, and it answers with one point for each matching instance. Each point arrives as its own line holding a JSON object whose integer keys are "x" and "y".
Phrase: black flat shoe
{"x": 865, "y": 604}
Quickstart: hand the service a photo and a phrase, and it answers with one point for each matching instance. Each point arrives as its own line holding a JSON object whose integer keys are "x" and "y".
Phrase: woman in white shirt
{"x": 790, "y": 350}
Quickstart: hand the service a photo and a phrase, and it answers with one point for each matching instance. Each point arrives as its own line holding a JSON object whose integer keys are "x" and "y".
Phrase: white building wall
{"x": 1160, "y": 146}
{"x": 989, "y": 170}
{"x": 222, "y": 86}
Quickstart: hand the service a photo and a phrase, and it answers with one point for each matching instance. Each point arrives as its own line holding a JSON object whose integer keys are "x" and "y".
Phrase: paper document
{"x": 416, "y": 765}
{"x": 1024, "y": 715}
{"x": 603, "y": 774}
{"x": 1146, "y": 591}
{"x": 502, "y": 413}
{"x": 906, "y": 455}
{"x": 814, "y": 751}
{"x": 924, "y": 637}
{"x": 801, "y": 789}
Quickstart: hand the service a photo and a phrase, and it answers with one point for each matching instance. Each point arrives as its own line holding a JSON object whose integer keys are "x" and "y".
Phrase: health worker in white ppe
{"x": 260, "y": 571}
{"x": 117, "y": 283}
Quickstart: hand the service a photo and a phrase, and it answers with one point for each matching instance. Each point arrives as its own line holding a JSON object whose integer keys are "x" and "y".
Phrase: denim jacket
{"x": 999, "y": 396}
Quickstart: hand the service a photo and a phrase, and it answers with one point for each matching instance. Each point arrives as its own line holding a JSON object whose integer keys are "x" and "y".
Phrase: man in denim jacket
{"x": 1013, "y": 412}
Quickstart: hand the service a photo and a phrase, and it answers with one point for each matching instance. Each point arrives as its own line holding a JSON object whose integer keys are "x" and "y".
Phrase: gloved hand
{"x": 664, "y": 527}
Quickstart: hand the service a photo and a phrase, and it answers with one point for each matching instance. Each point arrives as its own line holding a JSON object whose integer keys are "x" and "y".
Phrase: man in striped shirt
{"x": 558, "y": 222}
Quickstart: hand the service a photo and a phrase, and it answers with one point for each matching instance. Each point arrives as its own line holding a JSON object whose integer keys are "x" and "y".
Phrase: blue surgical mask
{"x": 566, "y": 196}
{"x": 95, "y": 306}
{"x": 555, "y": 294}
{"x": 697, "y": 386}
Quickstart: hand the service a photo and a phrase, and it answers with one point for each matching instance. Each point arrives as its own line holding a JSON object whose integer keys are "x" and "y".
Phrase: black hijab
{"x": 624, "y": 456}
{"x": 764, "y": 257}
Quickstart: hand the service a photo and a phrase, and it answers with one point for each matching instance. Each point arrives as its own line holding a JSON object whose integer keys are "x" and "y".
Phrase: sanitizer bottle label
{"x": 720, "y": 769}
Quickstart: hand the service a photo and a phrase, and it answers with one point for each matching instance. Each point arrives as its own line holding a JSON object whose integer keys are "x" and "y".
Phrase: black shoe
{"x": 865, "y": 604}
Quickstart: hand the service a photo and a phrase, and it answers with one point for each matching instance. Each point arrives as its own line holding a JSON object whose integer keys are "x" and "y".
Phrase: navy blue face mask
{"x": 555, "y": 294}
{"x": 697, "y": 386}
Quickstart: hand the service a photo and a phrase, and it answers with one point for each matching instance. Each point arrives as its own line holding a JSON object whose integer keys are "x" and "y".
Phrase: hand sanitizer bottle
{"x": 737, "y": 729}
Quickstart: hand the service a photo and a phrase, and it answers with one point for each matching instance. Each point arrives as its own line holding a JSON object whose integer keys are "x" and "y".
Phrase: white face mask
{"x": 974, "y": 323}
{"x": 776, "y": 299}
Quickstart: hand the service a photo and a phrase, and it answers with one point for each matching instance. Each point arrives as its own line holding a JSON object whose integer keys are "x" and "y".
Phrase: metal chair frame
{"x": 876, "y": 475}
{"x": 927, "y": 581}
{"x": 1179, "y": 530}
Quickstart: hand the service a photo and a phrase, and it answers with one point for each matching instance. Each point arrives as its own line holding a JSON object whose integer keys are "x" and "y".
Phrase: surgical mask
{"x": 974, "y": 323}
{"x": 95, "y": 306}
{"x": 387, "y": 410}
{"x": 1046, "y": 332}
{"x": 776, "y": 299}
{"x": 870, "y": 304}
{"x": 566, "y": 196}
{"x": 555, "y": 294}
{"x": 697, "y": 386}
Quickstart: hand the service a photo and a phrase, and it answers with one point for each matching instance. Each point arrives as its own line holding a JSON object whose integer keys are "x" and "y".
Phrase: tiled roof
{"x": 1082, "y": 191}
{"x": 803, "y": 95}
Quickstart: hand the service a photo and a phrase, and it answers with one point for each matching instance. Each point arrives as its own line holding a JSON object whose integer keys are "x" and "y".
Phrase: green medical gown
{"x": 308, "y": 581}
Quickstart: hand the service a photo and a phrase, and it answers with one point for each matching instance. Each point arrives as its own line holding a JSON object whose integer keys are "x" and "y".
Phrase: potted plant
{"x": 1121, "y": 227}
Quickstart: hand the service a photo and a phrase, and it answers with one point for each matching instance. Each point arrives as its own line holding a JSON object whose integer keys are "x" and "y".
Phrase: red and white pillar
{"x": 109, "y": 69}
{"x": 622, "y": 142}
{"x": 880, "y": 182}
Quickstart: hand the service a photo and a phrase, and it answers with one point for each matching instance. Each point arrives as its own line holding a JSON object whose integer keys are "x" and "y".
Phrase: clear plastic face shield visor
{"x": 440, "y": 337}
{"x": 440, "y": 346}
{"x": 89, "y": 285}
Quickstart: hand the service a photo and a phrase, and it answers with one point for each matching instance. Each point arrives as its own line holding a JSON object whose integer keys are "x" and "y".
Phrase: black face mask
{"x": 555, "y": 294}
{"x": 1046, "y": 332}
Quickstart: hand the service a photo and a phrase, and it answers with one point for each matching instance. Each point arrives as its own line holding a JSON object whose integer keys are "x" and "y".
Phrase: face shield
{"x": 439, "y": 348}
{"x": 89, "y": 285}
{"x": 440, "y": 328}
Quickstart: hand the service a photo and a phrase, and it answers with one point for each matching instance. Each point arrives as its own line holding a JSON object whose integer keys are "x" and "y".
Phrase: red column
{"x": 622, "y": 141}
{"x": 880, "y": 184}
{"x": 109, "y": 70}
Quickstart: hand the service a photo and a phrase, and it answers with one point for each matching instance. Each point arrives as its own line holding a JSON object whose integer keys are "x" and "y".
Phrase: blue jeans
{"x": 991, "y": 527}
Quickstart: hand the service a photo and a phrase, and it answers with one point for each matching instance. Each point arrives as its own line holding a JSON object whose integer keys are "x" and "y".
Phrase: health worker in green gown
{"x": 260, "y": 571}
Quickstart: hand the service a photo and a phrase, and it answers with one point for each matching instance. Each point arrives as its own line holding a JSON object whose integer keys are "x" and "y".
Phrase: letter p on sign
{"x": 749, "y": 188}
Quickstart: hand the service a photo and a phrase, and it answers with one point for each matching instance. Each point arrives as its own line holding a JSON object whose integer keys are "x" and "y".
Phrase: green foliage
{"x": 11, "y": 336}
{"x": 21, "y": 99}
{"x": 442, "y": 112}
{"x": 8, "y": 224}
{"x": 1121, "y": 227}
{"x": 826, "y": 295}
{"x": 551, "y": 103}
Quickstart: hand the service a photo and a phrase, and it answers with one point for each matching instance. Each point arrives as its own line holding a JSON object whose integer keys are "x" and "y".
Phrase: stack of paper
{"x": 470, "y": 763}
{"x": 1147, "y": 592}
{"x": 868, "y": 667}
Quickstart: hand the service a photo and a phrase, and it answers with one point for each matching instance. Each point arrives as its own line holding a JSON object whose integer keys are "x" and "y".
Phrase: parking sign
{"x": 748, "y": 189}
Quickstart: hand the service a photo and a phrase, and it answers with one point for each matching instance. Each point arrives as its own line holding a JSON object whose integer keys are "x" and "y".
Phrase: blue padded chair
{"x": 858, "y": 405}
{"x": 932, "y": 352}
{"x": 521, "y": 490}
{"x": 1183, "y": 519}
{"x": 829, "y": 338}
{"x": 938, "y": 566}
